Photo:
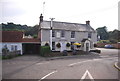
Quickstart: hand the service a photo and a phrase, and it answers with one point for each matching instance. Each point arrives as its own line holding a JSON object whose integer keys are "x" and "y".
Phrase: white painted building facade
{"x": 64, "y": 32}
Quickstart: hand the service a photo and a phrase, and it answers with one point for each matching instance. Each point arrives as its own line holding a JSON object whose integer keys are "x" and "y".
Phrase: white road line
{"x": 42, "y": 63}
{"x": 47, "y": 75}
{"x": 88, "y": 61}
{"x": 85, "y": 74}
{"x": 79, "y": 62}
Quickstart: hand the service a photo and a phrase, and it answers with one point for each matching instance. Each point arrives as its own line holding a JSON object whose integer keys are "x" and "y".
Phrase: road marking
{"x": 79, "y": 62}
{"x": 88, "y": 61}
{"x": 42, "y": 63}
{"x": 85, "y": 74}
{"x": 47, "y": 75}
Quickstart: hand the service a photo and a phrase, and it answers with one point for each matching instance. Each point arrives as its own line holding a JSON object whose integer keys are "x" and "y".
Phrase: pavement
{"x": 117, "y": 65}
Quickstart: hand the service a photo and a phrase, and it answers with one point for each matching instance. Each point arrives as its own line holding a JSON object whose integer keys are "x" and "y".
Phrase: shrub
{"x": 45, "y": 50}
{"x": 46, "y": 44}
{"x": 95, "y": 45}
{"x": 78, "y": 46}
{"x": 5, "y": 51}
{"x": 113, "y": 41}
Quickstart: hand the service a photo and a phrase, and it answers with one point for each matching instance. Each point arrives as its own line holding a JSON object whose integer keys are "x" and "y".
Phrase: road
{"x": 92, "y": 67}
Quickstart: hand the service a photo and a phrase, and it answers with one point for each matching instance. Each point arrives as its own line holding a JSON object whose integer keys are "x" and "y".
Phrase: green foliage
{"x": 113, "y": 41}
{"x": 68, "y": 45}
{"x": 103, "y": 41}
{"x": 45, "y": 50}
{"x": 5, "y": 51}
{"x": 46, "y": 44}
{"x": 35, "y": 36}
{"x": 102, "y": 32}
{"x": 114, "y": 35}
{"x": 58, "y": 45}
{"x": 29, "y": 30}
{"x": 108, "y": 37}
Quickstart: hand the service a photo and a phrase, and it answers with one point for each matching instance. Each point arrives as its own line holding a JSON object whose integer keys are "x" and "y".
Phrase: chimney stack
{"x": 88, "y": 22}
{"x": 41, "y": 18}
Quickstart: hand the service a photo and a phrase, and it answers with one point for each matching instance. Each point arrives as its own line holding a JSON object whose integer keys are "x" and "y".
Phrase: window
{"x": 53, "y": 33}
{"x": 72, "y": 34}
{"x": 53, "y": 45}
{"x": 62, "y": 33}
{"x": 12, "y": 48}
{"x": 58, "y": 34}
{"x": 15, "y": 48}
{"x": 89, "y": 34}
{"x": 5, "y": 46}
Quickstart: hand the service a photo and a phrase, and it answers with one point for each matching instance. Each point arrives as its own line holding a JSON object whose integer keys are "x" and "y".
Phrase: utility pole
{"x": 51, "y": 26}
{"x": 43, "y": 7}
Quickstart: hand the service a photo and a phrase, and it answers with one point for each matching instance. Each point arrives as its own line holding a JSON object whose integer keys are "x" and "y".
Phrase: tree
{"x": 114, "y": 35}
{"x": 102, "y": 32}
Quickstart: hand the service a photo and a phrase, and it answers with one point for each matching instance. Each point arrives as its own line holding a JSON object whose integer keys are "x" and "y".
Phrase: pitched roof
{"x": 30, "y": 40}
{"x": 12, "y": 36}
{"x": 67, "y": 26}
{"x": 17, "y": 36}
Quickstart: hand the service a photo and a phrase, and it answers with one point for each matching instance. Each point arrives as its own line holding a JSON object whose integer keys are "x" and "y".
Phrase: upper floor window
{"x": 62, "y": 33}
{"x": 89, "y": 34}
{"x": 72, "y": 34}
{"x": 53, "y": 33}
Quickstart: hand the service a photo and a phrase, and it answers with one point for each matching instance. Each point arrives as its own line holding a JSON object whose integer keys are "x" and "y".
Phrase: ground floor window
{"x": 53, "y": 45}
{"x": 13, "y": 48}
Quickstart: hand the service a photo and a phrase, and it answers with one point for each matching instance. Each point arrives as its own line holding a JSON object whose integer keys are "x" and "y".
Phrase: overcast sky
{"x": 99, "y": 12}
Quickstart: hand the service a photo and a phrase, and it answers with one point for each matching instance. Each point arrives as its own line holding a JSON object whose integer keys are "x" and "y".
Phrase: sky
{"x": 99, "y": 12}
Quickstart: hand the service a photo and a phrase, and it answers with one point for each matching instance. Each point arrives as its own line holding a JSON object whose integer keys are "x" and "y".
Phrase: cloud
{"x": 11, "y": 9}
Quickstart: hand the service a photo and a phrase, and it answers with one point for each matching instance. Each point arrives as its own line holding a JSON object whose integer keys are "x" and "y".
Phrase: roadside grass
{"x": 0, "y": 57}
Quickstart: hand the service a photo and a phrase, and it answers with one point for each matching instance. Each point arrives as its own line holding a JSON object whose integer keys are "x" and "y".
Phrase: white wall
{"x": 19, "y": 46}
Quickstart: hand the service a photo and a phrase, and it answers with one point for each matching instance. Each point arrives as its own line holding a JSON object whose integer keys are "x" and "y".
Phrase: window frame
{"x": 62, "y": 33}
{"x": 72, "y": 34}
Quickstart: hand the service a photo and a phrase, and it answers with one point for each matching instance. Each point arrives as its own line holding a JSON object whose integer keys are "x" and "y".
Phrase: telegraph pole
{"x": 51, "y": 26}
{"x": 43, "y": 7}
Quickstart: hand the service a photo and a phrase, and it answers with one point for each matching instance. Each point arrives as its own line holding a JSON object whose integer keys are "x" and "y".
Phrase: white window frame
{"x": 72, "y": 34}
{"x": 62, "y": 33}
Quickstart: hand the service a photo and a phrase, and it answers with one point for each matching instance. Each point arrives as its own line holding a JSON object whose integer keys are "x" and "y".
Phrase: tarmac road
{"x": 92, "y": 66}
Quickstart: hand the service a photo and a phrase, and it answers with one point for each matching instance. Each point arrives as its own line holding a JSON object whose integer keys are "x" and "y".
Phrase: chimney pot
{"x": 88, "y": 22}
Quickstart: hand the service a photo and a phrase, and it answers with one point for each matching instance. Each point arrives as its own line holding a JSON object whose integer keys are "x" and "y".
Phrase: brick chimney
{"x": 88, "y": 22}
{"x": 41, "y": 18}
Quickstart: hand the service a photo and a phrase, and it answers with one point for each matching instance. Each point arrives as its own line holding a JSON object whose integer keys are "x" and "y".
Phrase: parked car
{"x": 108, "y": 46}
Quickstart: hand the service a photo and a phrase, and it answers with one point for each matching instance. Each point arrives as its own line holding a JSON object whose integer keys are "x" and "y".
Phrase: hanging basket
{"x": 68, "y": 45}
{"x": 58, "y": 45}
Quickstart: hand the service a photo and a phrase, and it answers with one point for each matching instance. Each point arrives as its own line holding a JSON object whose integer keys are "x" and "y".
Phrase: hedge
{"x": 45, "y": 50}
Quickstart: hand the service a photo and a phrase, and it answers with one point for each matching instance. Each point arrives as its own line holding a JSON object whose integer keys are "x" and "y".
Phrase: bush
{"x": 46, "y": 44}
{"x": 113, "y": 41}
{"x": 45, "y": 50}
{"x": 95, "y": 45}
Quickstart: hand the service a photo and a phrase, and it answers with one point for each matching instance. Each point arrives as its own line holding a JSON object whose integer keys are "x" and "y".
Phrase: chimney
{"x": 88, "y": 22}
{"x": 41, "y": 18}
